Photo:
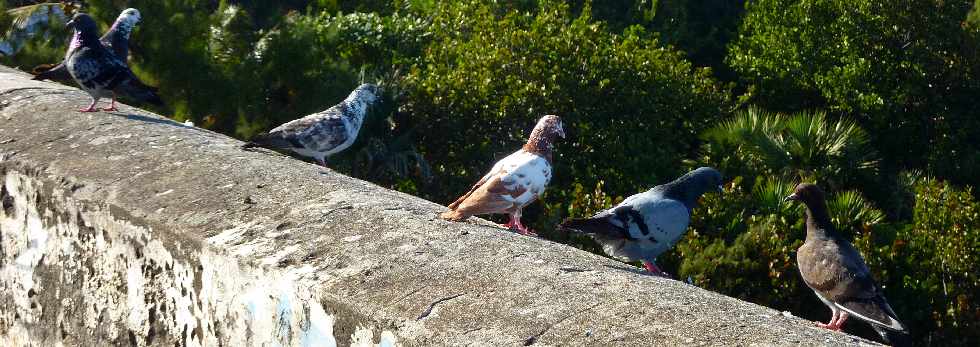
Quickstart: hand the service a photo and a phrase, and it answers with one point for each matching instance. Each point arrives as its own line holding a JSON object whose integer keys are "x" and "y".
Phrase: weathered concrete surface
{"x": 127, "y": 228}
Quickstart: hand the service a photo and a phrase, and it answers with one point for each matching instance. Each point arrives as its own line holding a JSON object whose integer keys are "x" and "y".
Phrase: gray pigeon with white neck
{"x": 324, "y": 133}
{"x": 116, "y": 40}
{"x": 836, "y": 272}
{"x": 100, "y": 72}
{"x": 647, "y": 224}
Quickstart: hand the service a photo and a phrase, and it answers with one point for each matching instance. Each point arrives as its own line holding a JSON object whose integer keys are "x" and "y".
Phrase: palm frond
{"x": 850, "y": 209}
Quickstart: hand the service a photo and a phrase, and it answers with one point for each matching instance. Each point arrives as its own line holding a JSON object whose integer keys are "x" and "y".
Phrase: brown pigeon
{"x": 513, "y": 182}
{"x": 836, "y": 272}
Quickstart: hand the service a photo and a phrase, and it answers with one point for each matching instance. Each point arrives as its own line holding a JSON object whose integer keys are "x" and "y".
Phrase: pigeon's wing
{"x": 641, "y": 227}
{"x": 116, "y": 42}
{"x": 496, "y": 192}
{"x": 318, "y": 132}
{"x": 836, "y": 271}
{"x": 483, "y": 180}
{"x": 99, "y": 69}
{"x": 55, "y": 73}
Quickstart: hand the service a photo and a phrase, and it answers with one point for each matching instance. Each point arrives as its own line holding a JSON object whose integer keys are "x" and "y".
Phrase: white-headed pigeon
{"x": 324, "y": 133}
{"x": 836, "y": 272}
{"x": 647, "y": 224}
{"x": 515, "y": 181}
{"x": 116, "y": 40}
{"x": 100, "y": 72}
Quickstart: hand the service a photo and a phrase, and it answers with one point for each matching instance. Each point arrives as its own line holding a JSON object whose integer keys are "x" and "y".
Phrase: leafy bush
{"x": 930, "y": 267}
{"x": 906, "y": 71}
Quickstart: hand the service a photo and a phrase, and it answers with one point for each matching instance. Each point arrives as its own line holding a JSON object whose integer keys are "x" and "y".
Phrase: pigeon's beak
{"x": 721, "y": 188}
{"x": 561, "y": 130}
{"x": 791, "y": 197}
{"x": 70, "y": 24}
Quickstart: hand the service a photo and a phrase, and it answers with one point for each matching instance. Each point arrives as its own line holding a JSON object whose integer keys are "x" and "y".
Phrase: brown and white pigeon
{"x": 513, "y": 182}
{"x": 647, "y": 224}
{"x": 324, "y": 133}
{"x": 836, "y": 272}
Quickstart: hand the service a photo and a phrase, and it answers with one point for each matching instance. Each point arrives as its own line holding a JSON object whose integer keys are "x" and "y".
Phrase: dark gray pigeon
{"x": 647, "y": 224}
{"x": 836, "y": 272}
{"x": 324, "y": 133}
{"x": 100, "y": 72}
{"x": 116, "y": 40}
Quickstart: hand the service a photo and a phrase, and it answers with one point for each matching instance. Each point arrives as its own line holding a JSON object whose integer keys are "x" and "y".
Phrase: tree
{"x": 906, "y": 71}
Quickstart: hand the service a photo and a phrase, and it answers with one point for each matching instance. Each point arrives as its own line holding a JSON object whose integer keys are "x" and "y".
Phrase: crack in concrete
{"x": 432, "y": 306}
{"x": 534, "y": 338}
{"x": 408, "y": 295}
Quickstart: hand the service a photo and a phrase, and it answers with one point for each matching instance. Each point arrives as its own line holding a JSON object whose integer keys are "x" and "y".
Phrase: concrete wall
{"x": 126, "y": 228}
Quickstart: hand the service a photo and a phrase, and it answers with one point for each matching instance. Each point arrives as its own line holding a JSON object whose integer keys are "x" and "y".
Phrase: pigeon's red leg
{"x": 654, "y": 270}
{"x": 511, "y": 224}
{"x": 523, "y": 229}
{"x": 112, "y": 106}
{"x": 840, "y": 321}
{"x": 832, "y": 324}
{"x": 91, "y": 107}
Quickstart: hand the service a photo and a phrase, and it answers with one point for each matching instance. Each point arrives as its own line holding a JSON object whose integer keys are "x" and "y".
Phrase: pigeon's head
{"x": 83, "y": 23}
{"x": 367, "y": 93}
{"x": 692, "y": 185}
{"x": 129, "y": 17}
{"x": 807, "y": 193}
{"x": 549, "y": 127}
{"x": 705, "y": 179}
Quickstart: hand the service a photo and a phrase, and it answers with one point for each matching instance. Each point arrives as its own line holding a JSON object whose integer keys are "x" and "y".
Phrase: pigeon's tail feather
{"x": 266, "y": 140}
{"x": 595, "y": 226}
{"x": 51, "y": 72}
{"x": 894, "y": 337}
{"x": 141, "y": 92}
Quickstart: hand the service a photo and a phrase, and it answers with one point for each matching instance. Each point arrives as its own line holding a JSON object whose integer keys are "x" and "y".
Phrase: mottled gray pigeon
{"x": 836, "y": 272}
{"x": 515, "y": 181}
{"x": 324, "y": 133}
{"x": 116, "y": 40}
{"x": 98, "y": 71}
{"x": 647, "y": 224}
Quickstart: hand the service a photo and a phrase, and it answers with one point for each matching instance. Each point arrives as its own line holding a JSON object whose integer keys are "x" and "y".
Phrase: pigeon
{"x": 647, "y": 224}
{"x": 324, "y": 133}
{"x": 100, "y": 72}
{"x": 836, "y": 272}
{"x": 116, "y": 40}
{"x": 515, "y": 181}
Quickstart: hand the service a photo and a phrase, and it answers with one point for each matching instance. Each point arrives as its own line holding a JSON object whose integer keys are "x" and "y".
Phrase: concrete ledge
{"x": 128, "y": 228}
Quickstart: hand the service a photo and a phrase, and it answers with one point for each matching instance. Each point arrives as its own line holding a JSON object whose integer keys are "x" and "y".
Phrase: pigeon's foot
{"x": 654, "y": 270}
{"x": 840, "y": 321}
{"x": 828, "y": 326}
{"x": 322, "y": 162}
{"x": 836, "y": 322}
{"x": 515, "y": 225}
{"x": 91, "y": 107}
{"x": 110, "y": 108}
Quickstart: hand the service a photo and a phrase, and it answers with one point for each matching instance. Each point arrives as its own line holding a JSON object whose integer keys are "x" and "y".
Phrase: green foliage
{"x": 974, "y": 17}
{"x": 43, "y": 39}
{"x": 805, "y": 146}
{"x": 930, "y": 267}
{"x": 907, "y": 71}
